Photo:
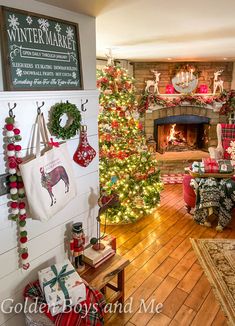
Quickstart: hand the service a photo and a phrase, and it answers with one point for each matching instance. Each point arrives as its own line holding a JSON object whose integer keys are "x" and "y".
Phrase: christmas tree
{"x": 127, "y": 168}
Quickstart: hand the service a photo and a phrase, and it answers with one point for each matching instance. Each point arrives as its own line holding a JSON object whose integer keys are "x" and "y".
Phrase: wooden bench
{"x": 100, "y": 277}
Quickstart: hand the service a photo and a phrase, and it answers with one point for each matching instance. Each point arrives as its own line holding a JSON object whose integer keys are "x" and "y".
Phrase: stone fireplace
{"x": 182, "y": 128}
{"x": 181, "y": 133}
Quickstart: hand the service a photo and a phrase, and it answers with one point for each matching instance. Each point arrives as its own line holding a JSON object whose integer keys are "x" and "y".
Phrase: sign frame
{"x": 7, "y": 68}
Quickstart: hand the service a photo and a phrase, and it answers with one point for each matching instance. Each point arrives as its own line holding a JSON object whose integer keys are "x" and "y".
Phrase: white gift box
{"x": 62, "y": 286}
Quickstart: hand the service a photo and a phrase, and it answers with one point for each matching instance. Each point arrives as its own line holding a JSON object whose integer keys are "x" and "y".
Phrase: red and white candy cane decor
{"x": 17, "y": 193}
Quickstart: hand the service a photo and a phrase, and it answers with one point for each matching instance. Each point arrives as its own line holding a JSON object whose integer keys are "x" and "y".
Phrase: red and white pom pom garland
{"x": 17, "y": 204}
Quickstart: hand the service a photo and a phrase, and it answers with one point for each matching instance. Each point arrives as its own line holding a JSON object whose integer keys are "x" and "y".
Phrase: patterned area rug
{"x": 172, "y": 178}
{"x": 217, "y": 258}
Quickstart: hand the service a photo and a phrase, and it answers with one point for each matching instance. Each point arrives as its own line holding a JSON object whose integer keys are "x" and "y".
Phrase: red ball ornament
{"x": 20, "y": 185}
{"x": 13, "y": 184}
{"x": 115, "y": 124}
{"x": 140, "y": 126}
{"x": 26, "y": 266}
{"x": 25, "y": 255}
{"x": 10, "y": 147}
{"x": 14, "y": 204}
{"x": 9, "y": 127}
{"x": 21, "y": 205}
{"x": 19, "y": 160}
{"x": 12, "y": 165}
{"x": 22, "y": 217}
{"x": 16, "y": 131}
{"x": 18, "y": 148}
{"x": 23, "y": 239}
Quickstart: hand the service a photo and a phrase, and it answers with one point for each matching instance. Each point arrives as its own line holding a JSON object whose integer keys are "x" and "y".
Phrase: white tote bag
{"x": 48, "y": 176}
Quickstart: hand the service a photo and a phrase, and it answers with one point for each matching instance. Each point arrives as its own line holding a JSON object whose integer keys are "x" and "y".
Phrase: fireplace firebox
{"x": 181, "y": 133}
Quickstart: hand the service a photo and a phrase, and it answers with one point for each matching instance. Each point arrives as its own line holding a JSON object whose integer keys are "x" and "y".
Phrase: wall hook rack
{"x": 83, "y": 104}
{"x": 39, "y": 107}
{"x": 11, "y": 109}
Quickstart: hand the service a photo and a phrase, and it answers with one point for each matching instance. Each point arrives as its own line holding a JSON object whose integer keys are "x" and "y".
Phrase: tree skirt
{"x": 172, "y": 178}
{"x": 217, "y": 258}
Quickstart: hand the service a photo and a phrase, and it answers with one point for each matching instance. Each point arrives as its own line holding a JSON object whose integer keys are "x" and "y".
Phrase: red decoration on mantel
{"x": 84, "y": 153}
{"x": 170, "y": 89}
{"x": 203, "y": 89}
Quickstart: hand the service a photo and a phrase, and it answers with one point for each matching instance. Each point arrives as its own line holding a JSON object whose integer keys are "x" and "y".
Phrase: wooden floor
{"x": 164, "y": 267}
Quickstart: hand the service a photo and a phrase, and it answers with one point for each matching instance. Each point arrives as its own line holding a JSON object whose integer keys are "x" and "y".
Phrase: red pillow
{"x": 226, "y": 143}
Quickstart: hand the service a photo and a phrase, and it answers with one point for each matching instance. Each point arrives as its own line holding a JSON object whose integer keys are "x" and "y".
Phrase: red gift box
{"x": 211, "y": 165}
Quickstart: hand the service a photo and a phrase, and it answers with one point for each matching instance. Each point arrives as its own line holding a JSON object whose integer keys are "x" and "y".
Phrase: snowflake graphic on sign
{"x": 43, "y": 24}
{"x": 70, "y": 33}
{"x": 29, "y": 20}
{"x": 13, "y": 20}
{"x": 57, "y": 28}
{"x": 19, "y": 72}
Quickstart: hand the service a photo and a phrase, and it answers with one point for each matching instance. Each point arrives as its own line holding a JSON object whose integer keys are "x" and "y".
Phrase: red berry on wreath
{"x": 25, "y": 255}
{"x": 23, "y": 239}
{"x": 9, "y": 127}
{"x": 16, "y": 131}
{"x": 10, "y": 147}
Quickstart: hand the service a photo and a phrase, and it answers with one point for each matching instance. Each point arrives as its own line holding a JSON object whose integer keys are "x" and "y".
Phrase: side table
{"x": 100, "y": 277}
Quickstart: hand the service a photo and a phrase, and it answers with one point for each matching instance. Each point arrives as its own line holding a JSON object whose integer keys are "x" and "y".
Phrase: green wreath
{"x": 73, "y": 124}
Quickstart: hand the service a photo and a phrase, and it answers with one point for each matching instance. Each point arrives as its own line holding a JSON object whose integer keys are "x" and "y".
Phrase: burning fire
{"x": 175, "y": 137}
{"x": 171, "y": 136}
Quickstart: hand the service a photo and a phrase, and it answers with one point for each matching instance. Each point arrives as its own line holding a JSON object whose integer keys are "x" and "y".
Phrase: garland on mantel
{"x": 148, "y": 100}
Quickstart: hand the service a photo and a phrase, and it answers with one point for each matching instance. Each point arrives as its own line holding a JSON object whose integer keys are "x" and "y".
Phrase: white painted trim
{"x": 34, "y": 95}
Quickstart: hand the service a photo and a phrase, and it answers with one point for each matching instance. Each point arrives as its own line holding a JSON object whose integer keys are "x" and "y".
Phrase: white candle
{"x": 191, "y": 74}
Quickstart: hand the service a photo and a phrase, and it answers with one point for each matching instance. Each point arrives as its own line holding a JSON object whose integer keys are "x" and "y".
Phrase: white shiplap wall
{"x": 48, "y": 241}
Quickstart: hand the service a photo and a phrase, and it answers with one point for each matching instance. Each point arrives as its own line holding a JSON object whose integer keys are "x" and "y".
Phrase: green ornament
{"x": 14, "y": 197}
{"x": 22, "y": 223}
{"x": 22, "y": 195}
{"x": 14, "y": 217}
{"x": 73, "y": 124}
{"x": 19, "y": 178}
{"x": 23, "y": 234}
{"x": 13, "y": 178}
{"x": 17, "y": 138}
{"x": 10, "y": 120}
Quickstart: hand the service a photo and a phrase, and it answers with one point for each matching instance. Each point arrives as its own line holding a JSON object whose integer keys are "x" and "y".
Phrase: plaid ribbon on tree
{"x": 87, "y": 313}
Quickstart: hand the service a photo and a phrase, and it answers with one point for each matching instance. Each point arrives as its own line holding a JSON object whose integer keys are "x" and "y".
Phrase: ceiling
{"x": 161, "y": 30}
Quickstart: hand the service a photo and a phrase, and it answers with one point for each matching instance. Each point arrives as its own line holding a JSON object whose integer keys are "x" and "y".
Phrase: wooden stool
{"x": 100, "y": 277}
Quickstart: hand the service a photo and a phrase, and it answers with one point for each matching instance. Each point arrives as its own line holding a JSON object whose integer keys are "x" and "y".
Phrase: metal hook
{"x": 11, "y": 109}
{"x": 83, "y": 104}
{"x": 39, "y": 107}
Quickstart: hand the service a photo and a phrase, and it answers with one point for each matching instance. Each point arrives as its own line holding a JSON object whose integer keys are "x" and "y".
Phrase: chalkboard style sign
{"x": 39, "y": 52}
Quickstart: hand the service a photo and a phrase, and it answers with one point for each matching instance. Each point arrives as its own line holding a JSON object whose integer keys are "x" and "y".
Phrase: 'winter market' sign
{"x": 39, "y": 52}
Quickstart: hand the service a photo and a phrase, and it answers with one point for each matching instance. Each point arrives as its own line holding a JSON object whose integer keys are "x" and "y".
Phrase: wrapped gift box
{"x": 211, "y": 165}
{"x": 62, "y": 286}
{"x": 198, "y": 167}
{"x": 225, "y": 166}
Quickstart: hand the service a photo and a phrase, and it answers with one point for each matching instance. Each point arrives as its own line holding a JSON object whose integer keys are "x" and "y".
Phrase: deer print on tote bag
{"x": 50, "y": 179}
